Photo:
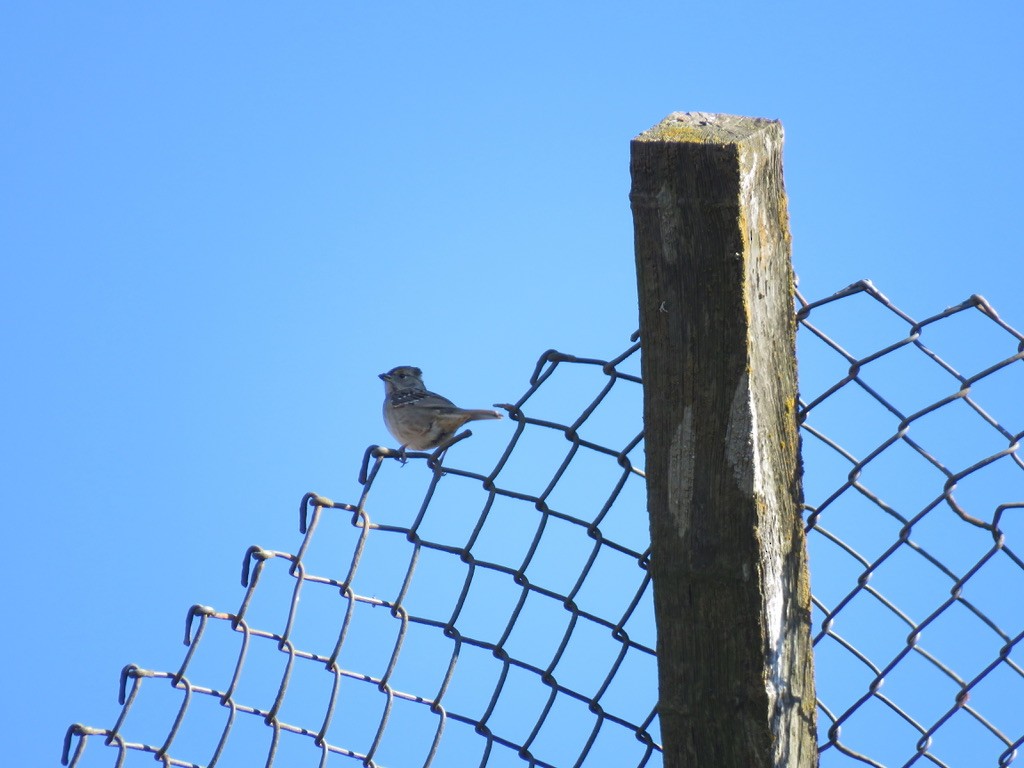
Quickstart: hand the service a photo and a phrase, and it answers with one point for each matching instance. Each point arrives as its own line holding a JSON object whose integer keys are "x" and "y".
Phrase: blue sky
{"x": 220, "y": 221}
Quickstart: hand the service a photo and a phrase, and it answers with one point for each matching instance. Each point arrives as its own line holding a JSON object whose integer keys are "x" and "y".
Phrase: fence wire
{"x": 523, "y": 633}
{"x": 914, "y": 483}
{"x": 421, "y": 651}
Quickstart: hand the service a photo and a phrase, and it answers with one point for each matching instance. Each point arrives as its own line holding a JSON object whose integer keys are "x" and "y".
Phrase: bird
{"x": 420, "y": 419}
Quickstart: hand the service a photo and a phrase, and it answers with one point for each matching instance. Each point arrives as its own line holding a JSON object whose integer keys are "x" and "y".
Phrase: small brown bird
{"x": 419, "y": 419}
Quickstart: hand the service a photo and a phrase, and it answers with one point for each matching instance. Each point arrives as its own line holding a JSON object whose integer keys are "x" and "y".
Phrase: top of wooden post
{"x": 707, "y": 128}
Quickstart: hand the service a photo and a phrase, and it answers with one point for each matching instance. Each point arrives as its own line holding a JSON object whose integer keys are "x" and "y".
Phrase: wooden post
{"x": 731, "y": 591}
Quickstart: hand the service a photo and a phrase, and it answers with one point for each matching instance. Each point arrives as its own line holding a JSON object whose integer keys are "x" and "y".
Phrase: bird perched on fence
{"x": 420, "y": 419}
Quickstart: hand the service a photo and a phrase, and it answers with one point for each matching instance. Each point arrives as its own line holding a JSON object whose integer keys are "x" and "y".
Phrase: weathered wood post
{"x": 731, "y": 591}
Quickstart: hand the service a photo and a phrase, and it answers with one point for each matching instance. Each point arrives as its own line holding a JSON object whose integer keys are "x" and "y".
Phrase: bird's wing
{"x": 437, "y": 403}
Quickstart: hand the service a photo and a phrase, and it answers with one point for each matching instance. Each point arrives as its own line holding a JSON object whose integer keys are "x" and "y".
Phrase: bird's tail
{"x": 477, "y": 414}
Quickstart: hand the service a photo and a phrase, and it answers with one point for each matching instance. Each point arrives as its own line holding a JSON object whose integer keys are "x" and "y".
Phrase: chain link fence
{"x": 914, "y": 488}
{"x": 498, "y": 611}
{"x": 448, "y": 617}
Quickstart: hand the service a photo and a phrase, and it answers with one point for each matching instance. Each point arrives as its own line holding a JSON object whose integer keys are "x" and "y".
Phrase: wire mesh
{"x": 531, "y": 639}
{"x": 914, "y": 483}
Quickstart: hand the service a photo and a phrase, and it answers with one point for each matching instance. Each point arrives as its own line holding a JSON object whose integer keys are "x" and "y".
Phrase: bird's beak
{"x": 385, "y": 377}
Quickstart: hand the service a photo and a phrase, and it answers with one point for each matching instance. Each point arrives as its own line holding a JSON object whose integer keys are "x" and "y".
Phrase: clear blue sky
{"x": 220, "y": 221}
